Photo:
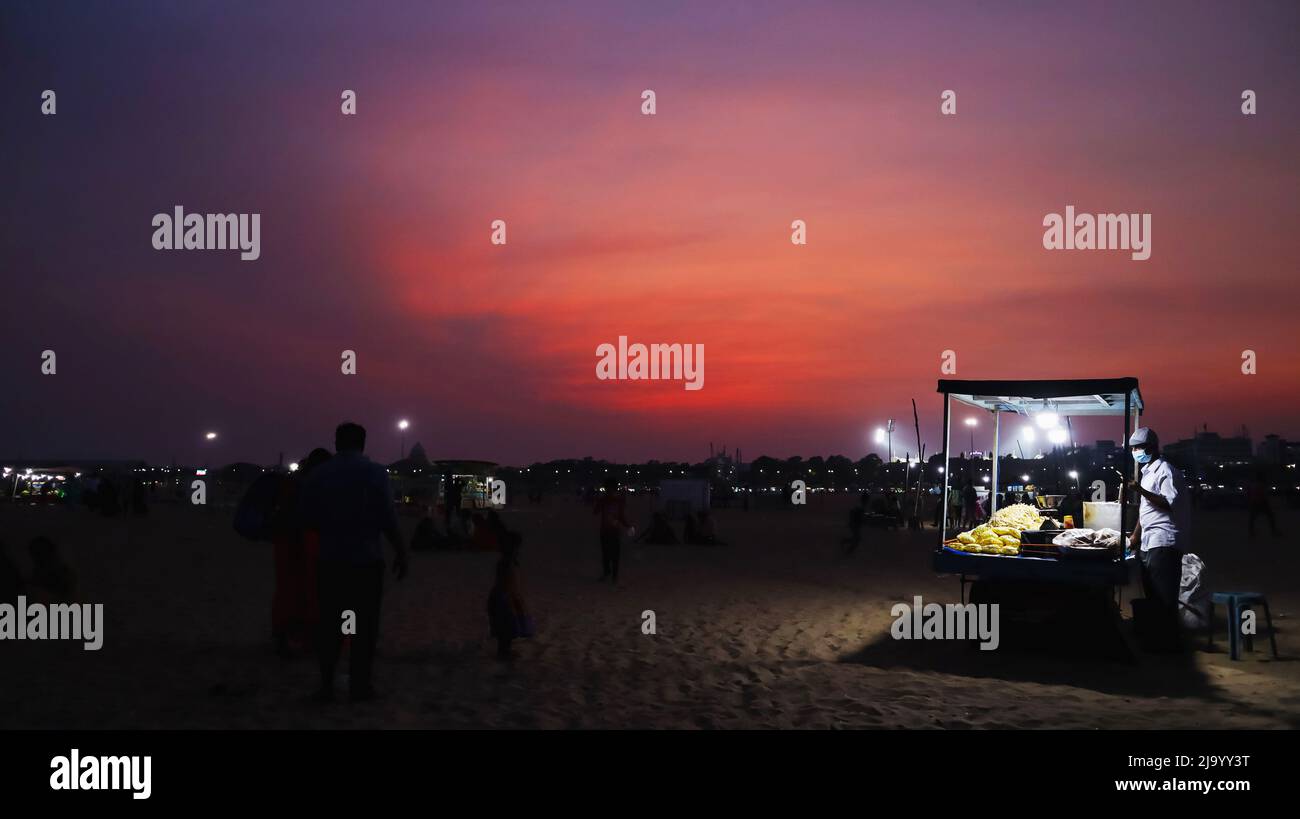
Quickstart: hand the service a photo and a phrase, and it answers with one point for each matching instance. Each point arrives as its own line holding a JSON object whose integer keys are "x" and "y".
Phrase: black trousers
{"x": 611, "y": 545}
{"x": 1162, "y": 576}
{"x": 349, "y": 587}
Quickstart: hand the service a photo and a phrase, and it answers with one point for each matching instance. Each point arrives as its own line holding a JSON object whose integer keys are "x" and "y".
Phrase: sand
{"x": 774, "y": 630}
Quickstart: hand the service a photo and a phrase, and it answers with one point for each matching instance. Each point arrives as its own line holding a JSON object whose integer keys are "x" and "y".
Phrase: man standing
{"x": 348, "y": 500}
{"x": 1163, "y": 531}
{"x": 611, "y": 509}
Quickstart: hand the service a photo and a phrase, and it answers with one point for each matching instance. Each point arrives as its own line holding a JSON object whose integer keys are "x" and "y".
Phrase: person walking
{"x": 508, "y": 617}
{"x": 1257, "y": 505}
{"x": 610, "y": 507}
{"x": 296, "y": 549}
{"x": 349, "y": 502}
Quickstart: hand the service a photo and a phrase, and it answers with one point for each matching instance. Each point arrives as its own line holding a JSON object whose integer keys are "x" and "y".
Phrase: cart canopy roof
{"x": 1086, "y": 396}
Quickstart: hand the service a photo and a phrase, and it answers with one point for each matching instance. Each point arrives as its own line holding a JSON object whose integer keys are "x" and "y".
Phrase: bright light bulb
{"x": 293, "y": 467}
{"x": 403, "y": 424}
{"x": 880, "y": 436}
{"x": 1029, "y": 434}
{"x": 970, "y": 422}
{"x": 1057, "y": 436}
{"x": 211, "y": 436}
{"x": 1047, "y": 420}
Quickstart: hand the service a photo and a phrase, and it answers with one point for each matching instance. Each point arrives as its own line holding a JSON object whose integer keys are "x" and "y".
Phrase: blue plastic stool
{"x": 1237, "y": 603}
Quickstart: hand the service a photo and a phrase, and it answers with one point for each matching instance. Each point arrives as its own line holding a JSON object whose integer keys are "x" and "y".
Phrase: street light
{"x": 972, "y": 423}
{"x": 885, "y": 435}
{"x": 402, "y": 425}
{"x": 211, "y": 436}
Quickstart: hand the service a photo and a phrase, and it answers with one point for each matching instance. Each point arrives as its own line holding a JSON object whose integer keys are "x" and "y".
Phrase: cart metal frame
{"x": 1067, "y": 397}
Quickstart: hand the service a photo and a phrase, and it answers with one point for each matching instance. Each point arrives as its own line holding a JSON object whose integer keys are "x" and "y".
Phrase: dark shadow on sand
{"x": 1092, "y": 649}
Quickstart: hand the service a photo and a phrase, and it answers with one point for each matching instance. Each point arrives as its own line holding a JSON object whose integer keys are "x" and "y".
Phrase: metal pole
{"x": 1123, "y": 492}
{"x": 947, "y": 467}
{"x": 993, "y": 493}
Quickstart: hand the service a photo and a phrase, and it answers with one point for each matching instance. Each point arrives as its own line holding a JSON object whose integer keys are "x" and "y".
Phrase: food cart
{"x": 974, "y": 555}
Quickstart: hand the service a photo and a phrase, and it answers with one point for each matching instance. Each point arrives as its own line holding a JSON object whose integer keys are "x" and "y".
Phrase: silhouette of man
{"x": 1163, "y": 532}
{"x": 348, "y": 500}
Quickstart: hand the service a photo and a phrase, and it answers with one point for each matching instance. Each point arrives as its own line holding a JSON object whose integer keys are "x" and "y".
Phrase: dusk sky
{"x": 924, "y": 231}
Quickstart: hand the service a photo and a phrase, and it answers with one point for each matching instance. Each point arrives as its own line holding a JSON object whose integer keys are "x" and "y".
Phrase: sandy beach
{"x": 773, "y": 630}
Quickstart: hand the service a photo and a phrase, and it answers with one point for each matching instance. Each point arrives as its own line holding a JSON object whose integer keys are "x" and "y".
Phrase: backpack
{"x": 1193, "y": 597}
{"x": 256, "y": 513}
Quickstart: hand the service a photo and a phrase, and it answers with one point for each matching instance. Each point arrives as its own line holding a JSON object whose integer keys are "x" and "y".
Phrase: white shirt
{"x": 1162, "y": 529}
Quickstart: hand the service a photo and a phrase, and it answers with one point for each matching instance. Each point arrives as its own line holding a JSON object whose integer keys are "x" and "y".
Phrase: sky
{"x": 924, "y": 231}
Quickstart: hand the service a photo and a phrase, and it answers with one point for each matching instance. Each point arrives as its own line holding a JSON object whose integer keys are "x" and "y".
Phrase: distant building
{"x": 1107, "y": 453}
{"x": 1209, "y": 449}
{"x": 721, "y": 465}
{"x": 1277, "y": 451}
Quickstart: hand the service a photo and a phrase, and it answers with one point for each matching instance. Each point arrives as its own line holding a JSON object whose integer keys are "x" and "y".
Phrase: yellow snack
{"x": 966, "y": 537}
{"x": 1008, "y": 540}
{"x": 1005, "y": 530}
{"x": 1009, "y": 550}
{"x": 1018, "y": 515}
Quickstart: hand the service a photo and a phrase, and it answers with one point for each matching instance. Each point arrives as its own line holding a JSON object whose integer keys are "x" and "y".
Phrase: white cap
{"x": 1143, "y": 436}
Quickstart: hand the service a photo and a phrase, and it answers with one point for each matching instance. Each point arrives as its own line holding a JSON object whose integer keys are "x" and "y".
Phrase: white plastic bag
{"x": 1193, "y": 596}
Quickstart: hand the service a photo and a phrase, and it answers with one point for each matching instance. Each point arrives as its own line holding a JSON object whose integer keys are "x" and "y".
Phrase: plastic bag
{"x": 1193, "y": 596}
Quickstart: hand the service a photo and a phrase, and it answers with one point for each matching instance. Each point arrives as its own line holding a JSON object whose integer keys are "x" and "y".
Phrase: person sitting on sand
{"x": 52, "y": 579}
{"x": 707, "y": 531}
{"x": 426, "y": 536}
{"x": 659, "y": 532}
{"x": 508, "y": 617}
{"x": 700, "y": 530}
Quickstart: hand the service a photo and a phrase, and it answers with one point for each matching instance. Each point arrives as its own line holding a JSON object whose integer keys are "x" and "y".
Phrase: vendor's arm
{"x": 1163, "y": 499}
{"x": 1167, "y": 490}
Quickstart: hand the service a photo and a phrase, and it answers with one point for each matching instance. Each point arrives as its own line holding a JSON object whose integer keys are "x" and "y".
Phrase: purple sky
{"x": 924, "y": 231}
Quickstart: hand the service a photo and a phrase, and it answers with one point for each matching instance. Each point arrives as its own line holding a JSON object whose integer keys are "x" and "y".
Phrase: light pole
{"x": 210, "y": 436}
{"x": 971, "y": 422}
{"x": 402, "y": 425}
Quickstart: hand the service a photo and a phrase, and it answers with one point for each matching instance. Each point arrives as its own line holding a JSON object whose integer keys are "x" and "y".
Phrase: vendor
{"x": 1163, "y": 531}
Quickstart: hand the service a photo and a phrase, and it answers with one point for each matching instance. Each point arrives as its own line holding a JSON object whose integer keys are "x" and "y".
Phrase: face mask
{"x": 1143, "y": 457}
